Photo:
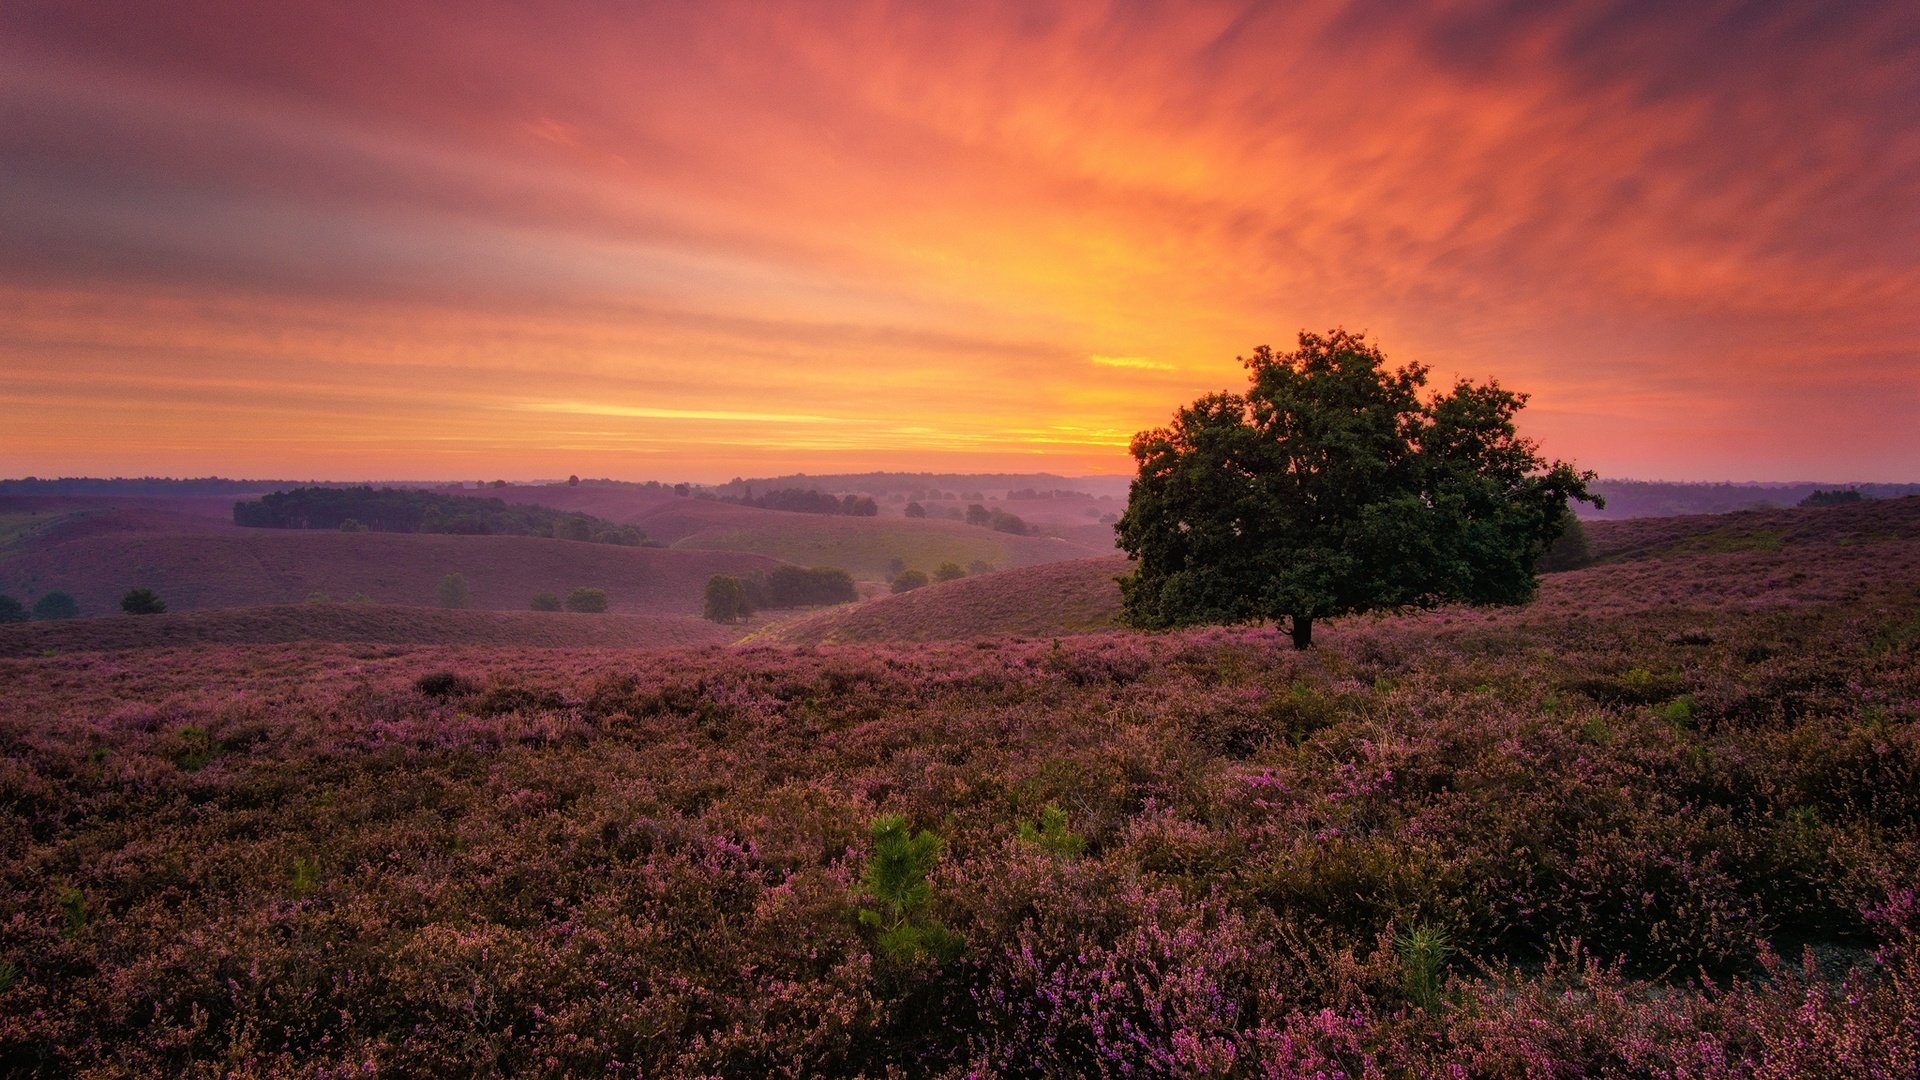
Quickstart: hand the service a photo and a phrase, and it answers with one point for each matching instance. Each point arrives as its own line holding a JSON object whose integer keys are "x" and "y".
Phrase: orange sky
{"x": 692, "y": 241}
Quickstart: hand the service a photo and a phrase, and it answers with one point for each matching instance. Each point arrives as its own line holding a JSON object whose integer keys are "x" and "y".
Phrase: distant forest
{"x": 807, "y": 502}
{"x": 354, "y": 509}
{"x": 1653, "y": 498}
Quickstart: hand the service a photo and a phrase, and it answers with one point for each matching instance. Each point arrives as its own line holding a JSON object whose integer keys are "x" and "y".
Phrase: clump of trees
{"x": 588, "y": 601}
{"x": 406, "y": 510}
{"x": 996, "y": 519}
{"x": 142, "y": 602}
{"x": 809, "y": 501}
{"x": 1836, "y": 497}
{"x": 56, "y": 605}
{"x": 781, "y": 587}
{"x": 908, "y": 580}
{"x": 1332, "y": 486}
{"x": 949, "y": 571}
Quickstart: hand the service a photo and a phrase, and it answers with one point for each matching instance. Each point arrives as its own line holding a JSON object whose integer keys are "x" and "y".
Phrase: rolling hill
{"x": 379, "y": 624}
{"x": 1049, "y": 600}
{"x": 196, "y": 564}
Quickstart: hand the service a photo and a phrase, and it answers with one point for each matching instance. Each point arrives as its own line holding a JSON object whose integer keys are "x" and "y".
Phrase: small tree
{"x": 949, "y": 571}
{"x": 909, "y": 580}
{"x": 56, "y": 605}
{"x": 899, "y": 894}
{"x": 896, "y": 566}
{"x": 12, "y": 610}
{"x": 545, "y": 601}
{"x": 979, "y": 515}
{"x": 352, "y": 525}
{"x": 980, "y": 566}
{"x": 915, "y": 510}
{"x": 1330, "y": 487}
{"x": 588, "y": 601}
{"x": 726, "y": 599}
{"x": 573, "y": 481}
{"x": 453, "y": 592}
{"x": 142, "y": 602}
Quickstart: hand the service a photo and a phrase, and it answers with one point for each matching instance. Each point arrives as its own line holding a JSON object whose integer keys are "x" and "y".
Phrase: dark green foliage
{"x": 726, "y": 599}
{"x": 142, "y": 602}
{"x": 1330, "y": 487}
{"x": 1571, "y": 550}
{"x": 12, "y": 610}
{"x": 74, "y": 915}
{"x": 915, "y": 510}
{"x": 949, "y": 571}
{"x": 588, "y": 601}
{"x": 452, "y": 592}
{"x": 545, "y": 601}
{"x": 445, "y": 684}
{"x": 355, "y": 509}
{"x": 797, "y": 500}
{"x": 1423, "y": 953}
{"x": 56, "y": 605}
{"x": 909, "y": 580}
{"x": 1051, "y": 833}
{"x": 899, "y": 894}
{"x": 1836, "y": 497}
{"x": 799, "y": 586}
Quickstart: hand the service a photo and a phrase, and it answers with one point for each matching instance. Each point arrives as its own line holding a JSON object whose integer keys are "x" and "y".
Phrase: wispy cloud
{"x": 1140, "y": 363}
{"x": 648, "y": 412}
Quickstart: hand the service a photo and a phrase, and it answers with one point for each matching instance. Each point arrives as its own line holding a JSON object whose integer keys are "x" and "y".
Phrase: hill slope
{"x": 364, "y": 623}
{"x": 1038, "y": 601}
{"x": 224, "y": 567}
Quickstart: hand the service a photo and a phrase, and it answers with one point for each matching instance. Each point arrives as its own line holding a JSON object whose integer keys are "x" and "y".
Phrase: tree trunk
{"x": 1302, "y": 631}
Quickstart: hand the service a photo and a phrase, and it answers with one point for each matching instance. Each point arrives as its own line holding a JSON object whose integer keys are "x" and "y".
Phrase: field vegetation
{"x": 1664, "y": 821}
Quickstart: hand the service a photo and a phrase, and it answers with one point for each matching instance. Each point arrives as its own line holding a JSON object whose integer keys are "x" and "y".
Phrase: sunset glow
{"x": 704, "y": 240}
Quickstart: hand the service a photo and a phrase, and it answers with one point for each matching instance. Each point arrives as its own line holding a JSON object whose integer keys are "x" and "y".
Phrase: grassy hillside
{"x": 222, "y": 566}
{"x": 864, "y": 546}
{"x": 1663, "y": 822}
{"x": 1039, "y": 601}
{"x": 364, "y": 623}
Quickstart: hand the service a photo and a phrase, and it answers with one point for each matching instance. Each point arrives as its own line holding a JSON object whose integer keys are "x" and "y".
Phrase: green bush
{"x": 545, "y": 601}
{"x": 589, "y": 601}
{"x": 142, "y": 602}
{"x": 909, "y": 580}
{"x": 899, "y": 896}
{"x": 56, "y": 605}
{"x": 949, "y": 571}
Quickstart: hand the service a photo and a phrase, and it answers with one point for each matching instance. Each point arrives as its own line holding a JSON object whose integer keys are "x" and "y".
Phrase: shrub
{"x": 351, "y": 525}
{"x": 900, "y": 896}
{"x": 12, "y": 610}
{"x": 545, "y": 601}
{"x": 980, "y": 566}
{"x": 453, "y": 592}
{"x": 949, "y": 571}
{"x": 56, "y": 605}
{"x": 915, "y": 510}
{"x": 590, "y": 601}
{"x": 909, "y": 580}
{"x": 726, "y": 600}
{"x": 445, "y": 684}
{"x": 319, "y": 598}
{"x": 1050, "y": 834}
{"x": 1423, "y": 953}
{"x": 142, "y": 602}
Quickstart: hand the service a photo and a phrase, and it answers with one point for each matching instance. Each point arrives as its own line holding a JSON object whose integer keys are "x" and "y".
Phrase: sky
{"x": 707, "y": 239}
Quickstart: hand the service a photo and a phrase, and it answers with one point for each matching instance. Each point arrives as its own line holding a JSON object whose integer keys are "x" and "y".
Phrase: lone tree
{"x": 142, "y": 602}
{"x": 452, "y": 592}
{"x": 1331, "y": 486}
{"x": 726, "y": 599}
{"x": 56, "y": 605}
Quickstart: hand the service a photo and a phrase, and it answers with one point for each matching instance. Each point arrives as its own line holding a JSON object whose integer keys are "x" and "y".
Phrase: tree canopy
{"x": 1333, "y": 486}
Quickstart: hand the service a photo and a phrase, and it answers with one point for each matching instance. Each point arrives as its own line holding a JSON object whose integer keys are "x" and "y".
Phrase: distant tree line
{"x": 1836, "y": 497}
{"x": 402, "y": 510}
{"x": 809, "y": 501}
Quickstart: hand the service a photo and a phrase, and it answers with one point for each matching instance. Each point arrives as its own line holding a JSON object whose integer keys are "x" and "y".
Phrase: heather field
{"x": 1663, "y": 822}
